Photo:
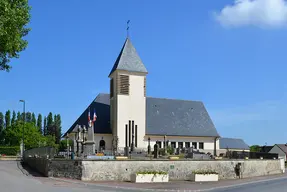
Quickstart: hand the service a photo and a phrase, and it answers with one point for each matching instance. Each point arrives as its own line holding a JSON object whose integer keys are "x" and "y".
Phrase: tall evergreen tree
{"x": 45, "y": 126}
{"x": 39, "y": 123}
{"x": 19, "y": 118}
{"x": 28, "y": 117}
{"x": 1, "y": 127}
{"x": 50, "y": 124}
{"x": 58, "y": 128}
{"x": 13, "y": 121}
{"x": 7, "y": 118}
{"x": 54, "y": 125}
{"x": 33, "y": 119}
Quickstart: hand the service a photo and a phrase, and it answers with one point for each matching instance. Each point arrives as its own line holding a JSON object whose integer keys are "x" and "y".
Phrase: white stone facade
{"x": 129, "y": 109}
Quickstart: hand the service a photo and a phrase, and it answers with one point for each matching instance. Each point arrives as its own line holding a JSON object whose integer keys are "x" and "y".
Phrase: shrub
{"x": 161, "y": 151}
{"x": 9, "y": 150}
{"x": 169, "y": 150}
{"x": 204, "y": 172}
{"x": 152, "y": 172}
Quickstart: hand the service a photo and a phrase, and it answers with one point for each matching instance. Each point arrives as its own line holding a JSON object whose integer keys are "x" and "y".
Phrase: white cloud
{"x": 260, "y": 13}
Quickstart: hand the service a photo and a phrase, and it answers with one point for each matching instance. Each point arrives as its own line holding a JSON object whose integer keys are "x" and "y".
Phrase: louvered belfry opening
{"x": 111, "y": 88}
{"x": 124, "y": 84}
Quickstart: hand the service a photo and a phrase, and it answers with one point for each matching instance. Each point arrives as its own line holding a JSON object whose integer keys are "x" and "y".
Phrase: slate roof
{"x": 283, "y": 147}
{"x": 128, "y": 59}
{"x": 265, "y": 149}
{"x": 163, "y": 117}
{"x": 232, "y": 143}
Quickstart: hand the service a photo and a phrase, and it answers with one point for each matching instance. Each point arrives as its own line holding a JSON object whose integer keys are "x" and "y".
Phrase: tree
{"x": 28, "y": 117}
{"x": 14, "y": 17}
{"x": 58, "y": 128}
{"x": 255, "y": 148}
{"x": 39, "y": 123}
{"x": 8, "y": 118}
{"x": 19, "y": 118}
{"x": 1, "y": 127}
{"x": 33, "y": 120}
{"x": 13, "y": 117}
{"x": 45, "y": 126}
{"x": 32, "y": 137}
{"x": 50, "y": 124}
{"x": 63, "y": 144}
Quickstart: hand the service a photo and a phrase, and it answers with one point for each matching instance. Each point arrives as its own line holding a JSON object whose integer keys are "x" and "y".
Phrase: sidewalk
{"x": 175, "y": 185}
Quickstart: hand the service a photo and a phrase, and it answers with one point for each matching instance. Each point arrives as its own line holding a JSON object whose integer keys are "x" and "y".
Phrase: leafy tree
{"x": 63, "y": 144}
{"x": 45, "y": 126}
{"x": 50, "y": 123}
{"x": 1, "y": 127}
{"x": 13, "y": 117}
{"x": 14, "y": 17}
{"x": 39, "y": 123}
{"x": 8, "y": 118}
{"x": 50, "y": 141}
{"x": 255, "y": 148}
{"x": 32, "y": 137}
{"x": 33, "y": 120}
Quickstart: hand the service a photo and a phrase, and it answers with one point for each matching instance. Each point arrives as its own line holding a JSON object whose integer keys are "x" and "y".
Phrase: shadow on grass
{"x": 27, "y": 170}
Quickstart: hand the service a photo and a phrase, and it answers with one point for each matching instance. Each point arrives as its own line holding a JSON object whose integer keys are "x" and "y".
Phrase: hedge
{"x": 9, "y": 150}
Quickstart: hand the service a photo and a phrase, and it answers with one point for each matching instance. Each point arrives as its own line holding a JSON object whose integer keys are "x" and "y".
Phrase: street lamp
{"x": 24, "y": 119}
{"x": 148, "y": 147}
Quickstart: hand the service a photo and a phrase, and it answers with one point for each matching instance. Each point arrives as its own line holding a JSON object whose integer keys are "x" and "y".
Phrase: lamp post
{"x": 24, "y": 120}
{"x": 164, "y": 144}
{"x": 148, "y": 147}
{"x": 68, "y": 151}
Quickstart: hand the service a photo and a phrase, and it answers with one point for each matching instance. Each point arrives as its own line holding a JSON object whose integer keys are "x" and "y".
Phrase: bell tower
{"x": 128, "y": 98}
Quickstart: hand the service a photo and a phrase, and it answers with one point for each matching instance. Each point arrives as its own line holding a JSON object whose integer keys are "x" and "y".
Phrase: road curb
{"x": 150, "y": 189}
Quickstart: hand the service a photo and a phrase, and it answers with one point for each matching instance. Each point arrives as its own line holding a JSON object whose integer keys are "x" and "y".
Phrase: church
{"x": 135, "y": 119}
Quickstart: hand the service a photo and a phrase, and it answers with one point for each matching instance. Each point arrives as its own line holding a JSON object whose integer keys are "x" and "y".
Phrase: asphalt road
{"x": 14, "y": 178}
{"x": 278, "y": 185}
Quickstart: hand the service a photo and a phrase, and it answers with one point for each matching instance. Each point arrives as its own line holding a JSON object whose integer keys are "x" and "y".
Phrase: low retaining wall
{"x": 111, "y": 170}
{"x": 40, "y": 165}
{"x": 178, "y": 170}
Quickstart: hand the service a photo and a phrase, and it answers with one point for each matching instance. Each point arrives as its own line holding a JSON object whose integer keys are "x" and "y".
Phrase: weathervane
{"x": 128, "y": 27}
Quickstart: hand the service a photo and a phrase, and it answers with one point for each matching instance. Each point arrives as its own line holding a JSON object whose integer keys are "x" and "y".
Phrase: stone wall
{"x": 121, "y": 170}
{"x": 39, "y": 164}
{"x": 66, "y": 169}
{"x": 178, "y": 170}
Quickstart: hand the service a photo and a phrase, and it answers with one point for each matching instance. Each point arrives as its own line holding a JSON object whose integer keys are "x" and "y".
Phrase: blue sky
{"x": 230, "y": 56}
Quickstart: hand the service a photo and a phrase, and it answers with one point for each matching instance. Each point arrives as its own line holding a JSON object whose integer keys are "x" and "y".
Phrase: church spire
{"x": 128, "y": 59}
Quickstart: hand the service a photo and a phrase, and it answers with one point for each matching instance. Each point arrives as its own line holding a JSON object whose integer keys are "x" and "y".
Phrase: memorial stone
{"x": 127, "y": 151}
{"x": 155, "y": 151}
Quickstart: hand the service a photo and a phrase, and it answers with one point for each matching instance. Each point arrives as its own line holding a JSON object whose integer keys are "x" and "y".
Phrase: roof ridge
{"x": 174, "y": 99}
{"x": 162, "y": 98}
{"x": 231, "y": 138}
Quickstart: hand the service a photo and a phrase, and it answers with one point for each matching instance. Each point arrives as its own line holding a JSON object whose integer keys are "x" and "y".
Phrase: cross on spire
{"x": 128, "y": 27}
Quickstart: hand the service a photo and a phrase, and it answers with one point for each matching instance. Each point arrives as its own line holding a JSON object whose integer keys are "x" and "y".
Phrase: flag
{"x": 89, "y": 116}
{"x": 95, "y": 116}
